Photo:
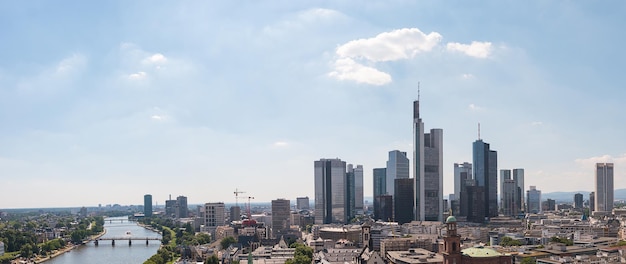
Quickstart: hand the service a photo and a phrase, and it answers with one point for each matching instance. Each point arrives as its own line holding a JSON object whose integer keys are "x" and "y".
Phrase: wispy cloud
{"x": 280, "y": 144}
{"x": 467, "y": 76}
{"x": 536, "y": 123}
{"x": 55, "y": 77}
{"x": 476, "y": 49}
{"x": 474, "y": 108}
{"x": 138, "y": 76}
{"x": 591, "y": 161}
{"x": 348, "y": 69}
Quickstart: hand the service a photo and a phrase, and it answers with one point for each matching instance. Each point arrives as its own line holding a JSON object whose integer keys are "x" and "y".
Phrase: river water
{"x": 121, "y": 253}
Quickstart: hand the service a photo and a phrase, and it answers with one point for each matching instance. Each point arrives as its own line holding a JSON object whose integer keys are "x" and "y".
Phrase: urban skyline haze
{"x": 101, "y": 103}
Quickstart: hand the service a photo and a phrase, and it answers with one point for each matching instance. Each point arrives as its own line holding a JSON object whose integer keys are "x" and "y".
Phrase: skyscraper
{"x": 182, "y": 207}
{"x": 428, "y": 169}
{"x": 358, "y": 185}
{"x": 485, "y": 162}
{"x": 592, "y": 202}
{"x": 462, "y": 173}
{"x": 403, "y": 200}
{"x": 380, "y": 188}
{"x": 505, "y": 174}
{"x": 533, "y": 197}
{"x": 518, "y": 177}
{"x": 330, "y": 188}
{"x": 350, "y": 193}
{"x": 280, "y": 217}
{"x": 509, "y": 197}
{"x": 397, "y": 168}
{"x": 604, "y": 187}
{"x": 147, "y": 205}
{"x": 578, "y": 201}
{"x": 214, "y": 216}
{"x": 302, "y": 203}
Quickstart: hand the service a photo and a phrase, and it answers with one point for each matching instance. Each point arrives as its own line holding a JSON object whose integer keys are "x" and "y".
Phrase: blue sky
{"x": 101, "y": 103}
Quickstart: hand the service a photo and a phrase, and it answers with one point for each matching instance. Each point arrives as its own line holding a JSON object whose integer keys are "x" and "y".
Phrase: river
{"x": 121, "y": 253}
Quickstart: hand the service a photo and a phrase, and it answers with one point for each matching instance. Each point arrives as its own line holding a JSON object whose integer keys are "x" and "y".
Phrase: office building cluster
{"x": 338, "y": 191}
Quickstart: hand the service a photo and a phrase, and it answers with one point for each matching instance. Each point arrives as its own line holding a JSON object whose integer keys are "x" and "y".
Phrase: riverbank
{"x": 68, "y": 248}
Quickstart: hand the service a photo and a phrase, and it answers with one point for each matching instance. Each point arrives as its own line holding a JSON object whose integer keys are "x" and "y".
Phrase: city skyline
{"x": 106, "y": 102}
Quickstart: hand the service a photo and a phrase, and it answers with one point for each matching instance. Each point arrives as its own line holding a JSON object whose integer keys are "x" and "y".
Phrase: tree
{"x": 227, "y": 241}
{"x": 303, "y": 254}
{"x": 528, "y": 260}
{"x": 508, "y": 242}
{"x": 212, "y": 260}
{"x": 26, "y": 251}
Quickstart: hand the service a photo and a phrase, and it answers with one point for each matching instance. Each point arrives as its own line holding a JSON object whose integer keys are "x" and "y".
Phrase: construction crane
{"x": 237, "y": 192}
{"x": 249, "y": 221}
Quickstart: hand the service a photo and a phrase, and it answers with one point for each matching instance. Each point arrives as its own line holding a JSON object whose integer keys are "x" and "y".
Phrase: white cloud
{"x": 156, "y": 58}
{"x": 536, "y": 123}
{"x": 390, "y": 46}
{"x": 157, "y": 117}
{"x": 395, "y": 45}
{"x": 348, "y": 69}
{"x": 138, "y": 76}
{"x": 473, "y": 107}
{"x": 476, "y": 49}
{"x": 467, "y": 76}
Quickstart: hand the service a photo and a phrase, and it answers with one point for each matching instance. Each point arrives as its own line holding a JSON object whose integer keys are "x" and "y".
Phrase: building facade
{"x": 330, "y": 191}
{"x": 578, "y": 201}
{"x": 182, "y": 209}
{"x": 428, "y": 170}
{"x": 281, "y": 213}
{"x": 485, "y": 162}
{"x": 358, "y": 192}
{"x": 397, "y": 168}
{"x": 147, "y": 205}
{"x": 533, "y": 197}
{"x": 302, "y": 203}
{"x": 213, "y": 216}
{"x": 403, "y": 200}
{"x": 462, "y": 173}
{"x": 604, "y": 187}
{"x": 380, "y": 187}
{"x": 518, "y": 177}
{"x": 505, "y": 174}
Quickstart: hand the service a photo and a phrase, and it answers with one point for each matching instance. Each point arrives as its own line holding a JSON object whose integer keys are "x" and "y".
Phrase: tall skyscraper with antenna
{"x": 427, "y": 169}
{"x": 485, "y": 162}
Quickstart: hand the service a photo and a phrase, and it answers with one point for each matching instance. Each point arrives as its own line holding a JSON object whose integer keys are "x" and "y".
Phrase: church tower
{"x": 451, "y": 243}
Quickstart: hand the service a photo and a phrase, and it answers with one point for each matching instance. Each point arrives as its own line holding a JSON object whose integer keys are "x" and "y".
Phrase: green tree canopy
{"x": 227, "y": 241}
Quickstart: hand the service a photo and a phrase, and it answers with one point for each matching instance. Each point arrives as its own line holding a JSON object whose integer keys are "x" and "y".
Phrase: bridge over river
{"x": 129, "y": 239}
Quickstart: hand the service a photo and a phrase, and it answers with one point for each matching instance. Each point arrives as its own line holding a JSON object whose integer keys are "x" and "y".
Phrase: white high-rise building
{"x": 330, "y": 191}
{"x": 604, "y": 187}
{"x": 214, "y": 216}
{"x": 397, "y": 168}
{"x": 428, "y": 170}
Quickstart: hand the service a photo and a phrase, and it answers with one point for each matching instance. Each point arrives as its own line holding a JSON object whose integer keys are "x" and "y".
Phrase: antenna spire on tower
{"x": 478, "y": 130}
{"x": 418, "y": 91}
